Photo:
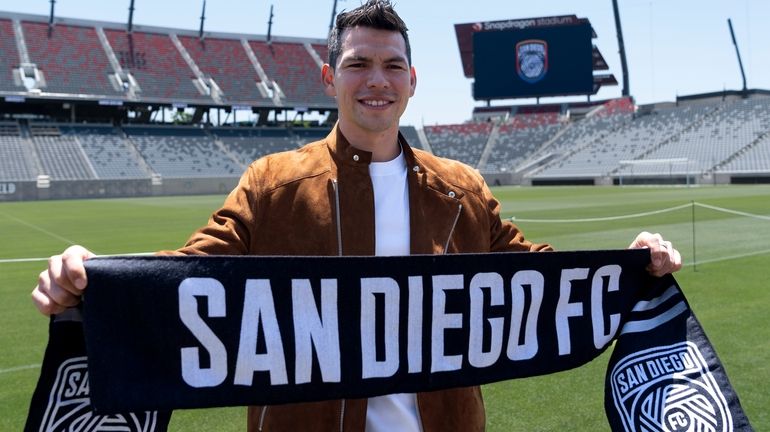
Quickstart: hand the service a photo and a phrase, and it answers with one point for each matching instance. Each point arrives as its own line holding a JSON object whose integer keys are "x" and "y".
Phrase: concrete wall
{"x": 18, "y": 191}
{"x": 195, "y": 186}
{"x": 74, "y": 189}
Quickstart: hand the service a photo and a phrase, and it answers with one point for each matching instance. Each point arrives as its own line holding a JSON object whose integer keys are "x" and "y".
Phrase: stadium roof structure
{"x": 102, "y": 64}
{"x": 465, "y": 32}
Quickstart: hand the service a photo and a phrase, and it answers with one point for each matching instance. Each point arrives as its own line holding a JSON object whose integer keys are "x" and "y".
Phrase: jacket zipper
{"x": 454, "y": 224}
{"x": 336, "y": 188}
{"x": 419, "y": 415}
{"x": 342, "y": 415}
{"x": 262, "y": 417}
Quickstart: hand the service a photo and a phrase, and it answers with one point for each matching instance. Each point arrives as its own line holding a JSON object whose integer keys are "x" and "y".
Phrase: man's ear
{"x": 327, "y": 76}
{"x": 412, "y": 80}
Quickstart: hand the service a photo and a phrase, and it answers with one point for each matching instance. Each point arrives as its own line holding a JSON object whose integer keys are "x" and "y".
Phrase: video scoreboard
{"x": 537, "y": 57}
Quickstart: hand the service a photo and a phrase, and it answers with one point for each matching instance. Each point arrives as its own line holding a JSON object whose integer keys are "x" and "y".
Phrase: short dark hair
{"x": 377, "y": 14}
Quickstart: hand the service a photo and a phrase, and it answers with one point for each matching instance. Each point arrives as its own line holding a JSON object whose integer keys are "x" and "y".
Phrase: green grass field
{"x": 728, "y": 288}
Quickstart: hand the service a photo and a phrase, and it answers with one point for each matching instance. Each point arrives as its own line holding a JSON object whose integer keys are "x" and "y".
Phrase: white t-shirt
{"x": 394, "y": 412}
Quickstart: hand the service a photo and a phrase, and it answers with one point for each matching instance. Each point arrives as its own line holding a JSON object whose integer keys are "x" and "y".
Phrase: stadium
{"x": 90, "y": 110}
{"x": 161, "y": 118}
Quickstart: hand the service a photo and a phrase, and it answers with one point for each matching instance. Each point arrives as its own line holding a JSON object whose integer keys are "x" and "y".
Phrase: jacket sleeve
{"x": 229, "y": 229}
{"x": 504, "y": 235}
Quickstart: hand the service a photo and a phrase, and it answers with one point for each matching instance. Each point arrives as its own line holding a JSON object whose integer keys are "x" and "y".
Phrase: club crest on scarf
{"x": 669, "y": 388}
{"x": 532, "y": 60}
{"x": 69, "y": 405}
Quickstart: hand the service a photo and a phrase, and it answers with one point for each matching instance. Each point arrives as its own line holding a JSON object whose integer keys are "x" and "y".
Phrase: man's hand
{"x": 61, "y": 285}
{"x": 665, "y": 259}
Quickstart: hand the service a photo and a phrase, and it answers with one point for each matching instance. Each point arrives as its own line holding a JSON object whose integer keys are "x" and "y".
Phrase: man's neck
{"x": 383, "y": 146}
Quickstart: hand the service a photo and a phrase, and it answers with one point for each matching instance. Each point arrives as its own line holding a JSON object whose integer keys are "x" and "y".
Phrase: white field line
{"x": 20, "y": 368}
{"x": 20, "y": 260}
{"x": 603, "y": 219}
{"x": 638, "y": 215}
{"x": 735, "y": 212}
{"x": 729, "y": 257}
{"x": 37, "y": 228}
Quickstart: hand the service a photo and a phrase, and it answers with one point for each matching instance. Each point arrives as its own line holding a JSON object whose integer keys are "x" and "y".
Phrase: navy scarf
{"x": 163, "y": 333}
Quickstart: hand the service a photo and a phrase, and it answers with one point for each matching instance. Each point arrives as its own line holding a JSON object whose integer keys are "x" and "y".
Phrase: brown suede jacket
{"x": 318, "y": 200}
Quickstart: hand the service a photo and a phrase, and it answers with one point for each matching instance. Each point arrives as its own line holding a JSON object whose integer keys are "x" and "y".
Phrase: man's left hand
{"x": 664, "y": 258}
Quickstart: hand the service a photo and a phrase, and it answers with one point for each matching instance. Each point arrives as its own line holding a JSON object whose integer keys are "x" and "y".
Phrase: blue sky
{"x": 674, "y": 47}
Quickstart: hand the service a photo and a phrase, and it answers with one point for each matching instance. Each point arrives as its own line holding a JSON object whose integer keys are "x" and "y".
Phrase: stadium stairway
{"x": 759, "y": 140}
{"x": 264, "y": 86}
{"x": 541, "y": 156}
{"x": 219, "y": 144}
{"x": 490, "y": 146}
{"x": 593, "y": 116}
{"x": 61, "y": 157}
{"x": 29, "y": 148}
{"x": 9, "y": 57}
{"x": 136, "y": 153}
{"x": 424, "y": 140}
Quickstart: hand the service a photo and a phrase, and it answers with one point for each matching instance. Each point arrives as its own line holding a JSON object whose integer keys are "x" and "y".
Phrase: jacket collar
{"x": 344, "y": 153}
{"x": 430, "y": 178}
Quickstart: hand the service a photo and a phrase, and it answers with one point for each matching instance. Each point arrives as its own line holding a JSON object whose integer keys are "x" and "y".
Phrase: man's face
{"x": 372, "y": 81}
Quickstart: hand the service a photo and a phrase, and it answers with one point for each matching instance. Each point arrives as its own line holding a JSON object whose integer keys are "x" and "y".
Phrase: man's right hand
{"x": 61, "y": 285}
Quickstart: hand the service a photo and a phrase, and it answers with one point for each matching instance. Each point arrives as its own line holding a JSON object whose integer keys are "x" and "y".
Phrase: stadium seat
{"x": 16, "y": 162}
{"x": 295, "y": 71}
{"x": 182, "y": 152}
{"x": 71, "y": 59}
{"x": 111, "y": 156}
{"x": 464, "y": 142}
{"x": 157, "y": 66}
{"x": 9, "y": 57}
{"x": 226, "y": 62}
{"x": 61, "y": 157}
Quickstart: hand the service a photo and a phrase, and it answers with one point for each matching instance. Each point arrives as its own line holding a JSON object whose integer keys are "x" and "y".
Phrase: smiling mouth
{"x": 375, "y": 103}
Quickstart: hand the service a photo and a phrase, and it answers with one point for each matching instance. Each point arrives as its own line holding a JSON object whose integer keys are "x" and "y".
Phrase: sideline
{"x": 20, "y": 368}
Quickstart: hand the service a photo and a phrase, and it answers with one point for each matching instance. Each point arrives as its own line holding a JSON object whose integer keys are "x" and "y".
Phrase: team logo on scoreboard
{"x": 69, "y": 405}
{"x": 532, "y": 60}
{"x": 669, "y": 389}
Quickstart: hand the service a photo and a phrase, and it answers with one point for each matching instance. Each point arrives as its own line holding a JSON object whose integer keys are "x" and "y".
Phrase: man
{"x": 360, "y": 191}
